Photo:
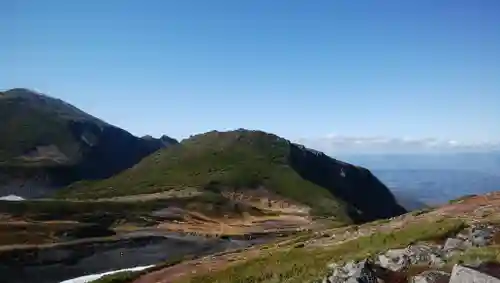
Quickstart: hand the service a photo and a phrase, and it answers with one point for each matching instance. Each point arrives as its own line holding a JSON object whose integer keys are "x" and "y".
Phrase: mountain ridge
{"x": 247, "y": 160}
{"x": 49, "y": 142}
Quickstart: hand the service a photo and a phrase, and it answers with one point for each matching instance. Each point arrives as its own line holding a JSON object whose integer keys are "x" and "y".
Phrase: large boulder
{"x": 463, "y": 274}
{"x": 401, "y": 259}
{"x": 395, "y": 260}
{"x": 481, "y": 236}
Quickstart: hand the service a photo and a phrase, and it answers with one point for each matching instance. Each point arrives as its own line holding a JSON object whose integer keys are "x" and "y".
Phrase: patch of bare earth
{"x": 199, "y": 266}
{"x": 199, "y": 224}
{"x": 176, "y": 193}
{"x": 265, "y": 200}
{"x": 278, "y": 215}
{"x": 472, "y": 209}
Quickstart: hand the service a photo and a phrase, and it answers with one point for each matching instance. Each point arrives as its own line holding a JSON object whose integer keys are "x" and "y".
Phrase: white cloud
{"x": 347, "y": 144}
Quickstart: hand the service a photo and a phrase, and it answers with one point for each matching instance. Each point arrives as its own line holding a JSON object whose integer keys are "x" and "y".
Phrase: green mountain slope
{"x": 244, "y": 160}
{"x": 50, "y": 142}
{"x": 29, "y": 119}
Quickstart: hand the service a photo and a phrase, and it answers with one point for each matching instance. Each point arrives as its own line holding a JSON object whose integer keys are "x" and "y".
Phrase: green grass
{"x": 216, "y": 161}
{"x": 309, "y": 265}
{"x": 489, "y": 254}
{"x": 458, "y": 200}
{"x": 100, "y": 218}
{"x": 36, "y": 233}
{"x": 483, "y": 254}
{"x": 109, "y": 212}
{"x": 421, "y": 211}
{"x": 28, "y": 120}
{"x": 78, "y": 211}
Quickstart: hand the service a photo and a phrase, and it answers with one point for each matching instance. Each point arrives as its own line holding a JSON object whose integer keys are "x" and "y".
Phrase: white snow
{"x": 92, "y": 277}
{"x": 12, "y": 198}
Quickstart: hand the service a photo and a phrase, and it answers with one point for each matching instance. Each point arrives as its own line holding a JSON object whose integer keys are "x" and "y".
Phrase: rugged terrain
{"x": 47, "y": 143}
{"x": 56, "y": 240}
{"x": 458, "y": 242}
{"x": 256, "y": 168}
{"x": 234, "y": 206}
{"x": 227, "y": 189}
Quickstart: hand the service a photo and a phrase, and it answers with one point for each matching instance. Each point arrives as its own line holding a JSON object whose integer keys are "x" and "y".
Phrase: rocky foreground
{"x": 454, "y": 243}
{"x": 399, "y": 265}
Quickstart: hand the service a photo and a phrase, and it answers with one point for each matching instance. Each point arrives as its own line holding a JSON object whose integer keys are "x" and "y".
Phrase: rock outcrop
{"x": 464, "y": 274}
{"x": 393, "y": 265}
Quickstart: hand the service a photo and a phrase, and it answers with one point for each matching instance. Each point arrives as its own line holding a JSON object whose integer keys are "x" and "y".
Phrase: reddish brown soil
{"x": 199, "y": 266}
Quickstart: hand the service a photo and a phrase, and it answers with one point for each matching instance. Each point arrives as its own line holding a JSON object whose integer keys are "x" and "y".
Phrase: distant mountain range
{"x": 438, "y": 186}
{"x": 434, "y": 178}
{"x": 486, "y": 162}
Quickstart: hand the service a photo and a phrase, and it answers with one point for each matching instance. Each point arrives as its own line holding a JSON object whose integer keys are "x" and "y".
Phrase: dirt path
{"x": 199, "y": 266}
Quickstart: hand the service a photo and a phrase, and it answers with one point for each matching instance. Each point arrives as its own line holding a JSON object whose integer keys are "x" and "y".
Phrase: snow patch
{"x": 12, "y": 198}
{"x": 92, "y": 277}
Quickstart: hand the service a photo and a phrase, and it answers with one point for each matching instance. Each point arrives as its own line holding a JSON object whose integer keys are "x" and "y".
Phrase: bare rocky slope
{"x": 46, "y": 143}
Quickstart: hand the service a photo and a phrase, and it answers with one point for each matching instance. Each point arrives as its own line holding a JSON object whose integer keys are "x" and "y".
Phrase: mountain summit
{"x": 46, "y": 141}
{"x": 243, "y": 162}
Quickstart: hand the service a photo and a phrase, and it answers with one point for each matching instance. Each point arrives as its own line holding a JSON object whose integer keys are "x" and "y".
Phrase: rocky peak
{"x": 161, "y": 142}
{"x": 168, "y": 140}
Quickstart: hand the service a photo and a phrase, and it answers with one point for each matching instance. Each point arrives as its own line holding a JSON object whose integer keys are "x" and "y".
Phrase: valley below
{"x": 56, "y": 263}
{"x": 56, "y": 240}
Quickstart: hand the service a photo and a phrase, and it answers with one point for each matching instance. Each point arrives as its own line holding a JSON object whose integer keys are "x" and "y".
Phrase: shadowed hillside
{"x": 47, "y": 142}
{"x": 244, "y": 160}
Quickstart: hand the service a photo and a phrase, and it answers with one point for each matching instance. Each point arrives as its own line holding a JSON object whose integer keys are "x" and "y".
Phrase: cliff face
{"x": 48, "y": 143}
{"x": 369, "y": 197}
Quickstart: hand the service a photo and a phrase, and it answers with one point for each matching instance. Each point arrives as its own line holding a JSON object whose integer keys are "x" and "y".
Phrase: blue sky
{"x": 302, "y": 69}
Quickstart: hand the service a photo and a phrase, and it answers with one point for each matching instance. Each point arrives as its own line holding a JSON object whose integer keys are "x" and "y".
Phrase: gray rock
{"x": 362, "y": 274}
{"x": 400, "y": 259}
{"x": 479, "y": 241}
{"x": 481, "y": 235}
{"x": 425, "y": 254}
{"x": 454, "y": 244}
{"x": 352, "y": 272}
{"x": 431, "y": 276}
{"x": 395, "y": 260}
{"x": 463, "y": 274}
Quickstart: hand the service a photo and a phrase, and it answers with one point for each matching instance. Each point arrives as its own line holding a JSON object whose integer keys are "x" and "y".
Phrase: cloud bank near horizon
{"x": 384, "y": 145}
